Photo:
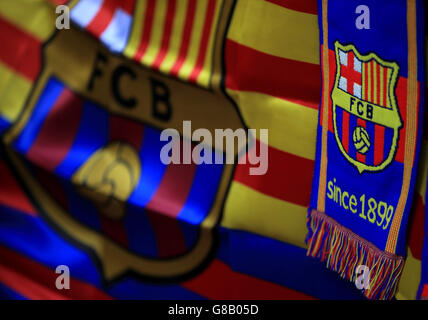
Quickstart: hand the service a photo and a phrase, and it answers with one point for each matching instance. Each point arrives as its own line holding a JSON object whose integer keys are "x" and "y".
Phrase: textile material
{"x": 272, "y": 77}
{"x": 368, "y": 140}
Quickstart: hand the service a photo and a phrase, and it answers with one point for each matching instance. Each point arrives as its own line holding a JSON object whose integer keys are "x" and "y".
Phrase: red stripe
{"x": 58, "y": 131}
{"x": 27, "y": 287}
{"x": 378, "y": 83}
{"x": 58, "y": 2}
{"x": 169, "y": 20}
{"x": 219, "y": 281}
{"x": 425, "y": 291}
{"x": 372, "y": 93}
{"x": 20, "y": 50}
{"x": 114, "y": 229}
{"x": 251, "y": 70}
{"x": 170, "y": 240}
{"x": 366, "y": 81}
{"x": 379, "y": 144}
{"x": 52, "y": 186}
{"x": 401, "y": 96}
{"x": 103, "y": 18}
{"x": 361, "y": 157}
{"x": 121, "y": 129}
{"x": 345, "y": 131}
{"x": 187, "y": 31}
{"x": 307, "y": 6}
{"x": 173, "y": 190}
{"x": 166, "y": 204}
{"x": 36, "y": 281}
{"x": 203, "y": 47}
{"x": 11, "y": 194}
{"x": 126, "y": 5}
{"x": 385, "y": 80}
{"x": 289, "y": 177}
{"x": 416, "y": 229}
{"x": 332, "y": 69}
{"x": 147, "y": 30}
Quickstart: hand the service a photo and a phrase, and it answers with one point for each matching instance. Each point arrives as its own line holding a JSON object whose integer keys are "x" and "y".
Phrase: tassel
{"x": 343, "y": 251}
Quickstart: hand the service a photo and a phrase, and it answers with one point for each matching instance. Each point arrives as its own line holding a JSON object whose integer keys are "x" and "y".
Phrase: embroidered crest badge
{"x": 366, "y": 118}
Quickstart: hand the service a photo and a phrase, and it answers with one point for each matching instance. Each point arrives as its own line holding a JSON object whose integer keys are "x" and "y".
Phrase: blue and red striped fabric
{"x": 62, "y": 135}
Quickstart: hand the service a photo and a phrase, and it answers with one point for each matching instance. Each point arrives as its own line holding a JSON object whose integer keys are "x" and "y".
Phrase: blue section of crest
{"x": 46, "y": 101}
{"x": 370, "y": 128}
{"x": 352, "y": 126}
{"x": 90, "y": 136}
{"x": 339, "y": 122}
{"x": 202, "y": 193}
{"x": 389, "y": 134}
{"x": 81, "y": 208}
{"x": 151, "y": 167}
{"x": 141, "y": 235}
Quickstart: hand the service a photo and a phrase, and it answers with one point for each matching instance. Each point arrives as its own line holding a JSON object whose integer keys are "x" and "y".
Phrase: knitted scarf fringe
{"x": 343, "y": 251}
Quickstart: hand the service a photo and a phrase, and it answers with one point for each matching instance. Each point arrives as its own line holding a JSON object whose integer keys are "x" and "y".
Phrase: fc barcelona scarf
{"x": 368, "y": 138}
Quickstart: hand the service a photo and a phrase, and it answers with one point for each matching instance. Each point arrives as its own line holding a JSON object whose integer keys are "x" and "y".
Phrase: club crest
{"x": 87, "y": 150}
{"x": 366, "y": 118}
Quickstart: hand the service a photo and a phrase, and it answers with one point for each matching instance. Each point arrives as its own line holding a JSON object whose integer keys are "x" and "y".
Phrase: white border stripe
{"x": 83, "y": 13}
{"x": 116, "y": 35}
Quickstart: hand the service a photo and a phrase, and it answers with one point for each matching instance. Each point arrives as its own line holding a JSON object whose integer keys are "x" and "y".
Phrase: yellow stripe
{"x": 275, "y": 30}
{"x": 369, "y": 82}
{"x": 157, "y": 32}
{"x": 381, "y": 70}
{"x": 176, "y": 36}
{"x": 410, "y": 278}
{"x": 37, "y": 17}
{"x": 388, "y": 77}
{"x": 363, "y": 82}
{"x": 205, "y": 75}
{"x": 374, "y": 83}
{"x": 284, "y": 120}
{"x": 13, "y": 91}
{"x": 136, "y": 32}
{"x": 195, "y": 40}
{"x": 252, "y": 211}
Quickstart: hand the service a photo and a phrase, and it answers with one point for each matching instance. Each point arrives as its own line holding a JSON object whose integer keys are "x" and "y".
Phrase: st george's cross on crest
{"x": 366, "y": 118}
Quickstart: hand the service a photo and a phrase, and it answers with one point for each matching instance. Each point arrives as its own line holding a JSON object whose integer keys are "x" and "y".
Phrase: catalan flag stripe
{"x": 176, "y": 37}
{"x": 292, "y": 43}
{"x": 186, "y": 33}
{"x": 274, "y": 78}
{"x": 166, "y": 37}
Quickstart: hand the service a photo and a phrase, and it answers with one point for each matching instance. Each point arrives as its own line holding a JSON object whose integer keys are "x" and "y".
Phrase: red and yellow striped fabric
{"x": 175, "y": 37}
{"x": 275, "y": 80}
